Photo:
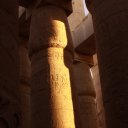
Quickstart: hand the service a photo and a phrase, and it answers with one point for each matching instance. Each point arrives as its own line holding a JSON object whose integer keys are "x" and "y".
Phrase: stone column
{"x": 110, "y": 20}
{"x": 25, "y": 83}
{"x": 9, "y": 70}
{"x": 99, "y": 101}
{"x": 51, "y": 58}
{"x": 86, "y": 95}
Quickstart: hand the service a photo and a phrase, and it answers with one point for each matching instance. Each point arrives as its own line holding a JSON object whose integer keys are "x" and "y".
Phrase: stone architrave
{"x": 24, "y": 83}
{"x": 51, "y": 59}
{"x": 110, "y": 19}
{"x": 9, "y": 70}
{"x": 86, "y": 95}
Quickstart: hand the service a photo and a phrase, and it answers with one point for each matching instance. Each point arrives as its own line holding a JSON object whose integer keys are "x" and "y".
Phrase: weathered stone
{"x": 31, "y": 4}
{"x": 25, "y": 3}
{"x": 9, "y": 70}
{"x": 86, "y": 95}
{"x": 25, "y": 83}
{"x": 99, "y": 101}
{"x": 50, "y": 52}
{"x": 77, "y": 15}
{"x": 111, "y": 31}
{"x": 24, "y": 27}
{"x": 66, "y": 5}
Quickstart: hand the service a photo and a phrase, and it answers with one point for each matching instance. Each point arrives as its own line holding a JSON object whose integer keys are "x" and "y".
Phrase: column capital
{"x": 65, "y": 4}
{"x": 32, "y": 4}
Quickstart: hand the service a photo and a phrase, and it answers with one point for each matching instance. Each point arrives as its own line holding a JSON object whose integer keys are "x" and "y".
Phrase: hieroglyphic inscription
{"x": 59, "y": 81}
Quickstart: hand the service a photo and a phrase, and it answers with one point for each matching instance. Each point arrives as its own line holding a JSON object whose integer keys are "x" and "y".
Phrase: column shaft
{"x": 9, "y": 70}
{"x": 51, "y": 57}
{"x": 111, "y": 31}
{"x": 99, "y": 100}
{"x": 25, "y": 83}
{"x": 86, "y": 95}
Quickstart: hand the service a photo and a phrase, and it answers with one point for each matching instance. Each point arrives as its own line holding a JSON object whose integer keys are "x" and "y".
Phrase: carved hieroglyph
{"x": 86, "y": 95}
{"x": 50, "y": 53}
{"x": 9, "y": 70}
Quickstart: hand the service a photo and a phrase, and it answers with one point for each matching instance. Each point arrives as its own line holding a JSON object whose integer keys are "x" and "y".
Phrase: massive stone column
{"x": 25, "y": 83}
{"x": 9, "y": 70}
{"x": 51, "y": 58}
{"x": 25, "y": 70}
{"x": 110, "y": 20}
{"x": 86, "y": 95}
{"x": 99, "y": 101}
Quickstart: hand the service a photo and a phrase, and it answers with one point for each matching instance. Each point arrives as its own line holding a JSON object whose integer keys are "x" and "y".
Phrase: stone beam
{"x": 87, "y": 47}
{"x": 83, "y": 31}
{"x": 90, "y": 60}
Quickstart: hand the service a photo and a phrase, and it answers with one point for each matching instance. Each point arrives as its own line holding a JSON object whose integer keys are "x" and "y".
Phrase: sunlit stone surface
{"x": 51, "y": 57}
